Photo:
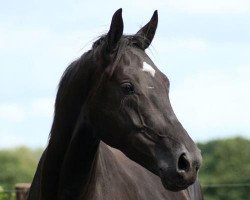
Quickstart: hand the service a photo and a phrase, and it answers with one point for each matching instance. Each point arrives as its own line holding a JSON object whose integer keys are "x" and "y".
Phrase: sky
{"x": 202, "y": 46}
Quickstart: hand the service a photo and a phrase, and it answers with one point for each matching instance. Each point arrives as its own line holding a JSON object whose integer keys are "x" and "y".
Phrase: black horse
{"x": 115, "y": 135}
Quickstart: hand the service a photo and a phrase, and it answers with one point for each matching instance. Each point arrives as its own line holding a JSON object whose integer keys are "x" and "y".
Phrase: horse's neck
{"x": 88, "y": 164}
{"x": 86, "y": 160}
{"x": 107, "y": 176}
{"x": 79, "y": 162}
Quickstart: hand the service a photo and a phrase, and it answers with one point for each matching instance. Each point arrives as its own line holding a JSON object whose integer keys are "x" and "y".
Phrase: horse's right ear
{"x": 146, "y": 33}
{"x": 115, "y": 31}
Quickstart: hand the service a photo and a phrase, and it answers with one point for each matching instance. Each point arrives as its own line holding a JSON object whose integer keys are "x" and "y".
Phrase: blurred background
{"x": 202, "y": 46}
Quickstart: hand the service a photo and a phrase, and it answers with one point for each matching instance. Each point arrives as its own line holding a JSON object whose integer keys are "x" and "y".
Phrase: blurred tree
{"x": 17, "y": 165}
{"x": 226, "y": 162}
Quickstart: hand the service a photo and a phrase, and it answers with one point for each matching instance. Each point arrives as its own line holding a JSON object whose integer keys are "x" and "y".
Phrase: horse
{"x": 115, "y": 135}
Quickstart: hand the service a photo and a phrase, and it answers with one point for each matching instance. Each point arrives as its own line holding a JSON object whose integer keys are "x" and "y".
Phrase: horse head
{"x": 130, "y": 109}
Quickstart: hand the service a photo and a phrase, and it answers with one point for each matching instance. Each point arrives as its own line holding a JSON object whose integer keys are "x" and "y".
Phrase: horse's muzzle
{"x": 182, "y": 173}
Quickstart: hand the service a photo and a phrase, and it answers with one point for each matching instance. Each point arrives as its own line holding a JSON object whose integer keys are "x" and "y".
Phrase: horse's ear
{"x": 115, "y": 31}
{"x": 146, "y": 34}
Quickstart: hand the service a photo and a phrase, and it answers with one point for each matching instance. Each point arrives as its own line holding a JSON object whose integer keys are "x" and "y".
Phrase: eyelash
{"x": 127, "y": 88}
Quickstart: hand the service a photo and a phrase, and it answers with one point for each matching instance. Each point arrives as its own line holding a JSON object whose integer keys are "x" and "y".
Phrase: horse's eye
{"x": 127, "y": 88}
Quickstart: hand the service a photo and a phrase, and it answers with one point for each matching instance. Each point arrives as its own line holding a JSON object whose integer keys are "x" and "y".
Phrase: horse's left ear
{"x": 146, "y": 34}
{"x": 115, "y": 31}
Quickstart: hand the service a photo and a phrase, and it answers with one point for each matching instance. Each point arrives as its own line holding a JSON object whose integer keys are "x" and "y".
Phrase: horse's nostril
{"x": 183, "y": 163}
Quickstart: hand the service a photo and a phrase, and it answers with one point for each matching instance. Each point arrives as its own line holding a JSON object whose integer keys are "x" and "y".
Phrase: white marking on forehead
{"x": 148, "y": 68}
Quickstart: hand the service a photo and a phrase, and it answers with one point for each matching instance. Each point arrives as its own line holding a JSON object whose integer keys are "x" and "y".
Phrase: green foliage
{"x": 226, "y": 162}
{"x": 6, "y": 195}
{"x": 17, "y": 165}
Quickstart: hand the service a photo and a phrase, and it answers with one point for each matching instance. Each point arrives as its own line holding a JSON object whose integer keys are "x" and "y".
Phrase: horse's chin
{"x": 175, "y": 185}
